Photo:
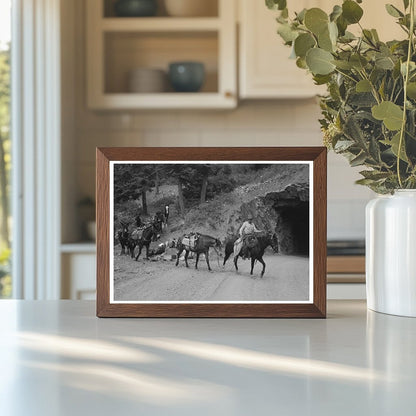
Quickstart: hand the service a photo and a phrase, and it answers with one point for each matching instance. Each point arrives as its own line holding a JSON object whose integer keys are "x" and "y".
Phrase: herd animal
{"x": 196, "y": 243}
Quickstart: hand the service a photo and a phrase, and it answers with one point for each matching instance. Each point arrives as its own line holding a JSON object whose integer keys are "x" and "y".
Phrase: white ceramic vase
{"x": 391, "y": 253}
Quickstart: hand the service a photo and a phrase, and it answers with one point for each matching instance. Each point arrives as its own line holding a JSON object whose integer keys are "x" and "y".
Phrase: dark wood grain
{"x": 319, "y": 230}
{"x": 103, "y": 231}
{"x": 317, "y": 309}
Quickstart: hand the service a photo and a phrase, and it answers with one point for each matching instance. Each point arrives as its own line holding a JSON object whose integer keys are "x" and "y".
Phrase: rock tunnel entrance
{"x": 292, "y": 229}
{"x": 292, "y": 218}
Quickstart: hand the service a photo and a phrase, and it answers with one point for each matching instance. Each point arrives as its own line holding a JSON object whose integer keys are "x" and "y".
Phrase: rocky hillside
{"x": 277, "y": 198}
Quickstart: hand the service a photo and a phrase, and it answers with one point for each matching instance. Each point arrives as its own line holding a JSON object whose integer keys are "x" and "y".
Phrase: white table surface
{"x": 57, "y": 358}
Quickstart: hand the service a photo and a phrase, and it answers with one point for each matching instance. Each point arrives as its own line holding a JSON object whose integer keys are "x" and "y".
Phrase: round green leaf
{"x": 301, "y": 15}
{"x": 411, "y": 90}
{"x": 363, "y": 86}
{"x": 384, "y": 62}
{"x": 395, "y": 144}
{"x": 375, "y": 35}
{"x": 333, "y": 32}
{"x": 328, "y": 38}
{"x": 287, "y": 33}
{"x": 403, "y": 66}
{"x": 322, "y": 79}
{"x": 316, "y": 20}
{"x": 358, "y": 61}
{"x": 342, "y": 25}
{"x": 276, "y": 4}
{"x": 336, "y": 12}
{"x": 391, "y": 114}
{"x": 344, "y": 65}
{"x": 319, "y": 61}
{"x": 393, "y": 11}
{"x": 324, "y": 41}
{"x": 301, "y": 63}
{"x": 303, "y": 43}
{"x": 351, "y": 11}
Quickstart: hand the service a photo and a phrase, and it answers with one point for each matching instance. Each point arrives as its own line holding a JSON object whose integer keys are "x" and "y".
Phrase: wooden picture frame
{"x": 313, "y": 306}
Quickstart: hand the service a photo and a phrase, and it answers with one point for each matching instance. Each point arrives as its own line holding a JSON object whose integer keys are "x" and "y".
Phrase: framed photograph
{"x": 211, "y": 232}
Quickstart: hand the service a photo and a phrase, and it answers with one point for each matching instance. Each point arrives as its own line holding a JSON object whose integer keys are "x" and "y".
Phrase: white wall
{"x": 256, "y": 123}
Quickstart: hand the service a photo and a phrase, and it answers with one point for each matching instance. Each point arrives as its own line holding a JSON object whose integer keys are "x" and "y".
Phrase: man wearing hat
{"x": 248, "y": 228}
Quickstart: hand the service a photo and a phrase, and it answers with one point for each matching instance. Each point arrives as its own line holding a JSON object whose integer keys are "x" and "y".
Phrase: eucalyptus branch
{"x": 398, "y": 95}
{"x": 365, "y": 61}
{"x": 404, "y": 28}
{"x": 406, "y": 80}
{"x": 373, "y": 88}
{"x": 346, "y": 75}
{"x": 392, "y": 91}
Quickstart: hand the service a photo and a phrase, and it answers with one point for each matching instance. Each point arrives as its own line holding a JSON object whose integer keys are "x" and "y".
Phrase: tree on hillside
{"x": 144, "y": 177}
{"x": 208, "y": 180}
{"x": 183, "y": 174}
{"x": 205, "y": 171}
{"x": 221, "y": 180}
{"x": 4, "y": 142}
{"x": 125, "y": 187}
{"x": 161, "y": 175}
{"x": 157, "y": 179}
{"x": 133, "y": 182}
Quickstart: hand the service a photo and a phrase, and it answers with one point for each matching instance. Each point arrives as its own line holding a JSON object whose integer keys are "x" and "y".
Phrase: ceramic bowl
{"x": 186, "y": 76}
{"x": 147, "y": 80}
{"x": 135, "y": 8}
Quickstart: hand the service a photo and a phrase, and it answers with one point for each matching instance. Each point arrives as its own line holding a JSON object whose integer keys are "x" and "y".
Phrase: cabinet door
{"x": 265, "y": 68}
{"x": 78, "y": 274}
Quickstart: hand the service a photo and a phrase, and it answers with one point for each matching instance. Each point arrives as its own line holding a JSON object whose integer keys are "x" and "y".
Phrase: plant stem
{"x": 406, "y": 80}
{"x": 346, "y": 75}
{"x": 373, "y": 88}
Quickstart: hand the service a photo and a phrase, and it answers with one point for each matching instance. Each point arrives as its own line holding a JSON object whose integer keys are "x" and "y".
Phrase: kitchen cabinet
{"x": 265, "y": 70}
{"x": 346, "y": 277}
{"x": 118, "y": 45}
{"x": 78, "y": 262}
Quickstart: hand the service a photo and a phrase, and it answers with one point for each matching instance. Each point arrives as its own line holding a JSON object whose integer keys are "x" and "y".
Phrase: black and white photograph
{"x": 211, "y": 232}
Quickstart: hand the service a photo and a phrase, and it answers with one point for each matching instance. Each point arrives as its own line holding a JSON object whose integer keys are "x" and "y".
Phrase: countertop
{"x": 57, "y": 358}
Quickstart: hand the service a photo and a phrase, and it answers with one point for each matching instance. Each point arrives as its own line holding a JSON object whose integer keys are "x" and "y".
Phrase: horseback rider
{"x": 246, "y": 230}
{"x": 166, "y": 213}
{"x": 139, "y": 221}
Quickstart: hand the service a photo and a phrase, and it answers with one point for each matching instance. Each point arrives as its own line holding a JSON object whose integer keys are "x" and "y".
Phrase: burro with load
{"x": 199, "y": 244}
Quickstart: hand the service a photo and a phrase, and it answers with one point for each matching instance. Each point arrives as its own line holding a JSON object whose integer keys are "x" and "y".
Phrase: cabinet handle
{"x": 229, "y": 94}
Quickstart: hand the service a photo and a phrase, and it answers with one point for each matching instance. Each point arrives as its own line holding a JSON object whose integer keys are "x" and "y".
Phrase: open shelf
{"x": 127, "y": 51}
{"x": 119, "y": 45}
{"x": 210, "y": 6}
{"x": 160, "y": 24}
{"x": 167, "y": 100}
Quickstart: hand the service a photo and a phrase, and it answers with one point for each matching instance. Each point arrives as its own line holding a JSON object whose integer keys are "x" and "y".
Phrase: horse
{"x": 255, "y": 250}
{"x": 202, "y": 245}
{"x": 142, "y": 239}
{"x": 123, "y": 236}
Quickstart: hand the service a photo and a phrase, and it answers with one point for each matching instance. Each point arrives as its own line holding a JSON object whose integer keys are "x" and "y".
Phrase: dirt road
{"x": 286, "y": 279}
